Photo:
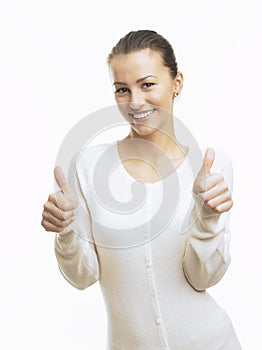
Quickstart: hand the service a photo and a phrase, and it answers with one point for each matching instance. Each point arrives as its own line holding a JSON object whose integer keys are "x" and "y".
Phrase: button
{"x": 158, "y": 321}
{"x": 147, "y": 231}
{"x": 149, "y": 264}
{"x": 147, "y": 235}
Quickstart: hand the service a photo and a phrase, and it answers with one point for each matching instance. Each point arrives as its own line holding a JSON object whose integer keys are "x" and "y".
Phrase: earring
{"x": 175, "y": 94}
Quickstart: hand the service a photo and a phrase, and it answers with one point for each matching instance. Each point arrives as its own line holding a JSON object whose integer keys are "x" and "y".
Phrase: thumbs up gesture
{"x": 210, "y": 187}
{"x": 59, "y": 210}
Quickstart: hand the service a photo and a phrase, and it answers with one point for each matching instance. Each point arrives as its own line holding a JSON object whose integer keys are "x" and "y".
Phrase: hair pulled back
{"x": 146, "y": 39}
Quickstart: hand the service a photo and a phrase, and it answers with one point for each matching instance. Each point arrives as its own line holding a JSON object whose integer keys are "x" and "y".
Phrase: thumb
{"x": 208, "y": 160}
{"x": 61, "y": 180}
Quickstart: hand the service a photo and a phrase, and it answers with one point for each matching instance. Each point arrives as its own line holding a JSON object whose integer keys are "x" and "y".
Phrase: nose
{"x": 137, "y": 100}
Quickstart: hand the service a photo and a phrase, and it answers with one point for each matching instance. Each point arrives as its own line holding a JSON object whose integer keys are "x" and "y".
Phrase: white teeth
{"x": 142, "y": 115}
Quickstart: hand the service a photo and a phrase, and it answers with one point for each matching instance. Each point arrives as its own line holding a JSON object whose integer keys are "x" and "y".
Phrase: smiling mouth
{"x": 141, "y": 116}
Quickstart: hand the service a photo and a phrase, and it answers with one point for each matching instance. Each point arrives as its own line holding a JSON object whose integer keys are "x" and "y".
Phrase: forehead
{"x": 137, "y": 64}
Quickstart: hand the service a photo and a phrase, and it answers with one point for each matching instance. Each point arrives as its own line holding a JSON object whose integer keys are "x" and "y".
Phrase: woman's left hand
{"x": 211, "y": 188}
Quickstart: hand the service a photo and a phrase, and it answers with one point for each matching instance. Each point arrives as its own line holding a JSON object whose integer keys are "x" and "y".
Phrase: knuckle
{"x": 47, "y": 206}
{"x": 211, "y": 204}
{"x": 208, "y": 206}
{"x": 43, "y": 223}
{"x": 223, "y": 208}
{"x": 60, "y": 224}
{"x": 65, "y": 223}
{"x": 51, "y": 197}
{"x": 55, "y": 228}
{"x": 230, "y": 205}
{"x": 219, "y": 177}
{"x": 224, "y": 186}
{"x": 228, "y": 194}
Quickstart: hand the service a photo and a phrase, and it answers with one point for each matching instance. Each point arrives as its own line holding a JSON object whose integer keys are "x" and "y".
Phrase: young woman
{"x": 155, "y": 258}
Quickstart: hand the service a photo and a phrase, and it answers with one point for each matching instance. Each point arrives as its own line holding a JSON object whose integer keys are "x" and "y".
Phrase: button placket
{"x": 147, "y": 214}
{"x": 148, "y": 209}
{"x": 153, "y": 294}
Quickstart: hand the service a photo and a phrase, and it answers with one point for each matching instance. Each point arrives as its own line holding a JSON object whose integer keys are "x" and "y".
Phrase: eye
{"x": 147, "y": 85}
{"x": 121, "y": 91}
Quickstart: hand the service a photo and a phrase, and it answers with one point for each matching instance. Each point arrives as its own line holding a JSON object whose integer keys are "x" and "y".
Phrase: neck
{"x": 164, "y": 140}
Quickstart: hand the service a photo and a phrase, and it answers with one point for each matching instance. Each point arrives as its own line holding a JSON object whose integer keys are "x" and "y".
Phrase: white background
{"x": 53, "y": 73}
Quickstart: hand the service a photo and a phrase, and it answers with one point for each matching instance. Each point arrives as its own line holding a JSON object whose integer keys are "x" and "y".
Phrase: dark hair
{"x": 146, "y": 39}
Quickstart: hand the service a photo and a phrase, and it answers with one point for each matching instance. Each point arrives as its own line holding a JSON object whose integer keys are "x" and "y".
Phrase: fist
{"x": 60, "y": 208}
{"x": 210, "y": 187}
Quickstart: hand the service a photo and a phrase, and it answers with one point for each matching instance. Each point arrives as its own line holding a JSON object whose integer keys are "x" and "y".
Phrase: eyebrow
{"x": 138, "y": 81}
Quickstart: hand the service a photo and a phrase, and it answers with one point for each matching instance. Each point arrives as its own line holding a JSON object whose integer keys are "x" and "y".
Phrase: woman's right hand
{"x": 60, "y": 208}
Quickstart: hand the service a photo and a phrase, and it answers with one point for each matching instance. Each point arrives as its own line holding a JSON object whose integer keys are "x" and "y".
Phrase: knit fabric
{"x": 153, "y": 263}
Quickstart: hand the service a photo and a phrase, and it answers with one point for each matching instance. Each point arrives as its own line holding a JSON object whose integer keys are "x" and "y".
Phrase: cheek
{"x": 162, "y": 98}
{"x": 122, "y": 100}
{"x": 123, "y": 108}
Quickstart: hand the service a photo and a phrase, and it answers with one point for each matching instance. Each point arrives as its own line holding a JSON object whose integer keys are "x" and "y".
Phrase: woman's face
{"x": 144, "y": 89}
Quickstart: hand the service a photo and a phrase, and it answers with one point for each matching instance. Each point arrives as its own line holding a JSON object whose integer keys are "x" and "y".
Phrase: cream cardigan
{"x": 154, "y": 250}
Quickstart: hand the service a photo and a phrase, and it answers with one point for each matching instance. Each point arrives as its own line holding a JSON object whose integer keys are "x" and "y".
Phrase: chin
{"x": 143, "y": 130}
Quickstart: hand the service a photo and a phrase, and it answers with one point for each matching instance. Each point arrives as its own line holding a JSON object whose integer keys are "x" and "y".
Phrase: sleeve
{"x": 207, "y": 255}
{"x": 74, "y": 247}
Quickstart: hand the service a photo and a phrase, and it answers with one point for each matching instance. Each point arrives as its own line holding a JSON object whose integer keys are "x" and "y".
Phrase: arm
{"x": 207, "y": 256}
{"x": 75, "y": 252}
{"x": 76, "y": 258}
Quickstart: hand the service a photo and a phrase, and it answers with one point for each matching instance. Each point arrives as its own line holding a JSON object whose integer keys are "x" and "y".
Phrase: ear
{"x": 178, "y": 83}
